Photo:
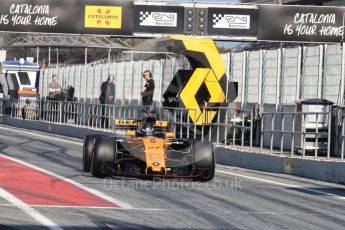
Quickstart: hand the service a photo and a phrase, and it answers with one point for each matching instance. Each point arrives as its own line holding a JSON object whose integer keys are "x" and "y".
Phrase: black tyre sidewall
{"x": 204, "y": 158}
{"x": 96, "y": 166}
{"x": 88, "y": 148}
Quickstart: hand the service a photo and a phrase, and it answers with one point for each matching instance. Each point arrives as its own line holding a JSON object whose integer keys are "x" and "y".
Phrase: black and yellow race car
{"x": 149, "y": 151}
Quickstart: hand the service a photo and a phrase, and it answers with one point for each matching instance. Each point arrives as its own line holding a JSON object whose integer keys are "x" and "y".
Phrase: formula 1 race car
{"x": 148, "y": 151}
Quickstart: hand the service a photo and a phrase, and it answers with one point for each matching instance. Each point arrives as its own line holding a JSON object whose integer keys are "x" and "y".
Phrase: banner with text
{"x": 40, "y": 16}
{"x": 233, "y": 21}
{"x": 107, "y": 17}
{"x": 301, "y": 23}
{"x": 158, "y": 19}
{"x": 67, "y": 16}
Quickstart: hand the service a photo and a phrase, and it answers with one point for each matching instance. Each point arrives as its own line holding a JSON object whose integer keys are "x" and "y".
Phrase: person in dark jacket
{"x": 108, "y": 91}
{"x": 148, "y": 89}
{"x": 107, "y": 97}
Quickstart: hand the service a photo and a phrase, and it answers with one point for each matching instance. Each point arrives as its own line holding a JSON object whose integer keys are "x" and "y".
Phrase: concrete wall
{"x": 324, "y": 170}
{"x": 65, "y": 130}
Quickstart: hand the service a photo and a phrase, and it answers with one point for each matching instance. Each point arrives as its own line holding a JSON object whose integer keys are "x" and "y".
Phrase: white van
{"x": 19, "y": 79}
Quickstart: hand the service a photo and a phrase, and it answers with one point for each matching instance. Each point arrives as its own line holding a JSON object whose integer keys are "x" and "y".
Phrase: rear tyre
{"x": 88, "y": 148}
{"x": 103, "y": 158}
{"x": 204, "y": 163}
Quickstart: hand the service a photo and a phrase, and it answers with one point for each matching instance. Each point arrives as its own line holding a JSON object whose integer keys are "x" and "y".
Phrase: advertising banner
{"x": 40, "y": 16}
{"x": 158, "y": 19}
{"x": 67, "y": 16}
{"x": 107, "y": 17}
{"x": 233, "y": 21}
{"x": 301, "y": 23}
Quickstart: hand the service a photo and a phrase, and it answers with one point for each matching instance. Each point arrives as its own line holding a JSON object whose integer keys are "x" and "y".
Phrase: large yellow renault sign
{"x": 202, "y": 88}
{"x": 107, "y": 17}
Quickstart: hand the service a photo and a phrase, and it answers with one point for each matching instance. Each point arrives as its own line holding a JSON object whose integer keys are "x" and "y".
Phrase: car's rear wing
{"x": 133, "y": 124}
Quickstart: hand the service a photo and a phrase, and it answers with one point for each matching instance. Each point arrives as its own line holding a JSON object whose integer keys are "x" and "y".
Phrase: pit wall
{"x": 324, "y": 170}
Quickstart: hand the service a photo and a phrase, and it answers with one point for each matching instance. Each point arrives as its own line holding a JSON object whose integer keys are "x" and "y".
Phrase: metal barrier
{"x": 296, "y": 118}
{"x": 179, "y": 118}
{"x": 342, "y": 137}
{"x": 231, "y": 126}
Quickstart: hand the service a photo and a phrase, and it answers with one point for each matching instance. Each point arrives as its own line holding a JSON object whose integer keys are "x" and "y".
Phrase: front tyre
{"x": 204, "y": 162}
{"x": 103, "y": 158}
{"x": 88, "y": 148}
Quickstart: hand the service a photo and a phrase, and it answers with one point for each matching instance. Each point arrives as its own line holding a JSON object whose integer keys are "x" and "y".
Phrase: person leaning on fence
{"x": 54, "y": 90}
{"x": 107, "y": 98}
{"x": 147, "y": 90}
{"x": 55, "y": 94}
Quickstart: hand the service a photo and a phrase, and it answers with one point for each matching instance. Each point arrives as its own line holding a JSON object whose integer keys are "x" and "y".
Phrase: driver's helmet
{"x": 148, "y": 131}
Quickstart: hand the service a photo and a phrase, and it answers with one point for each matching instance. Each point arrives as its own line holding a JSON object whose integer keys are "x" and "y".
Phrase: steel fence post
{"x": 85, "y": 123}
{"x": 242, "y": 129}
{"x": 218, "y": 125}
{"x": 317, "y": 135}
{"x": 208, "y": 120}
{"x": 293, "y": 134}
{"x": 60, "y": 111}
{"x": 342, "y": 137}
{"x": 234, "y": 128}
{"x": 282, "y": 135}
{"x": 226, "y": 126}
{"x": 262, "y": 132}
{"x": 251, "y": 128}
{"x": 195, "y": 130}
{"x": 272, "y": 132}
{"x": 40, "y": 109}
{"x": 303, "y": 134}
{"x": 202, "y": 123}
{"x": 329, "y": 134}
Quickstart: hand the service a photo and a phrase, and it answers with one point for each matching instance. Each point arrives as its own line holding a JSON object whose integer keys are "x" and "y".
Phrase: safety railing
{"x": 342, "y": 137}
{"x": 180, "y": 120}
{"x": 75, "y": 114}
{"x": 228, "y": 126}
{"x": 285, "y": 133}
{"x": 307, "y": 132}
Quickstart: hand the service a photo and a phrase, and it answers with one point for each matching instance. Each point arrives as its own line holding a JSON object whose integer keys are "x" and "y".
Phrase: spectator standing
{"x": 107, "y": 98}
{"x": 147, "y": 90}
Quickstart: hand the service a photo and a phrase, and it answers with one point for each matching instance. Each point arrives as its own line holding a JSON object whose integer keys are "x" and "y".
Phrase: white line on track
{"x": 43, "y": 136}
{"x": 29, "y": 210}
{"x": 93, "y": 191}
{"x": 92, "y": 207}
{"x": 109, "y": 208}
{"x": 90, "y": 190}
{"x": 284, "y": 185}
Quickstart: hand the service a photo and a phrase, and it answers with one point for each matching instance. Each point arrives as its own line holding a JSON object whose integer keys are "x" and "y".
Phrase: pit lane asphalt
{"x": 235, "y": 199}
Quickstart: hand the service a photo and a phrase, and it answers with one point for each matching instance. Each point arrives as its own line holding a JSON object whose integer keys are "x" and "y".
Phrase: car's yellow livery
{"x": 150, "y": 150}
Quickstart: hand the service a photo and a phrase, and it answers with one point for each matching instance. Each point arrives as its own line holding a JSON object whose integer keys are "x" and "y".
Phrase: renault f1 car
{"x": 148, "y": 151}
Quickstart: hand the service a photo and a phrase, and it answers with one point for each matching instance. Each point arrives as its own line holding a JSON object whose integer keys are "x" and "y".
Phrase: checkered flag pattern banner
{"x": 144, "y": 15}
{"x": 231, "y": 21}
{"x": 217, "y": 18}
{"x": 162, "y": 19}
